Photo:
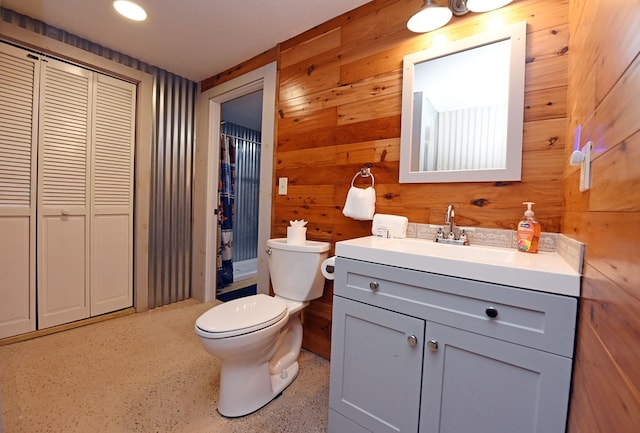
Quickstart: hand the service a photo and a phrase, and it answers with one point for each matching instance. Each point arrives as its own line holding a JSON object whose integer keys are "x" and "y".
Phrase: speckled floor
{"x": 146, "y": 372}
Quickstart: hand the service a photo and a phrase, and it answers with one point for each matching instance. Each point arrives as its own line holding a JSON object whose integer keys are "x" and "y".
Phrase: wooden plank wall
{"x": 339, "y": 109}
{"x": 604, "y": 96}
{"x": 339, "y": 106}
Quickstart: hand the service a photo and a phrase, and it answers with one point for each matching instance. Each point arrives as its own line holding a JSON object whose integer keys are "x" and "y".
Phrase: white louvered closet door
{"x": 112, "y": 203}
{"x": 18, "y": 126}
{"x": 63, "y": 194}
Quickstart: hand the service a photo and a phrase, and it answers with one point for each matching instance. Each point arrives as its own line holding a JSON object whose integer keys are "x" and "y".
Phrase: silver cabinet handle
{"x": 412, "y": 340}
{"x": 432, "y": 345}
{"x": 268, "y": 251}
{"x": 374, "y": 286}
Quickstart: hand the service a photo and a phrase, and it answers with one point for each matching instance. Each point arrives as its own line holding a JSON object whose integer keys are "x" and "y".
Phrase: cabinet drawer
{"x": 534, "y": 319}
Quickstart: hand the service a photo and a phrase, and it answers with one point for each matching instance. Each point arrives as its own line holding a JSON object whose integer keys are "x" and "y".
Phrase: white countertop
{"x": 544, "y": 271}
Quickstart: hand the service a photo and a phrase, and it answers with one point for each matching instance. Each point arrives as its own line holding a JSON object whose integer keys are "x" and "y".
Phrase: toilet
{"x": 258, "y": 338}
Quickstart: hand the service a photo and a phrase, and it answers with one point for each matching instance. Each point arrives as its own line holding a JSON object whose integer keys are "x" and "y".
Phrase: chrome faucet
{"x": 451, "y": 238}
{"x": 450, "y": 217}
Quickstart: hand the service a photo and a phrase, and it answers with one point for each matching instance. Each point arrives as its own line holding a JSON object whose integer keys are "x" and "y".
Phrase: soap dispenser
{"x": 528, "y": 231}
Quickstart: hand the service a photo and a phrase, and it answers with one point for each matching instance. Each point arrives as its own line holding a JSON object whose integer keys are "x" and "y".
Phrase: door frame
{"x": 206, "y": 171}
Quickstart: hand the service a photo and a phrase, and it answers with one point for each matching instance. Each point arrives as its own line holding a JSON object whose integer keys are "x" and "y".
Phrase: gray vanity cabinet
{"x": 478, "y": 384}
{"x": 419, "y": 352}
{"x": 375, "y": 380}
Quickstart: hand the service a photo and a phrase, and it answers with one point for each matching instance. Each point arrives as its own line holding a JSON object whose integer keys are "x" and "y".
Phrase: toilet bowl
{"x": 258, "y": 338}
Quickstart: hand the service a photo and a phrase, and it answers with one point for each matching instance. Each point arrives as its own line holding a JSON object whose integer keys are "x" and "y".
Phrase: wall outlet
{"x": 282, "y": 185}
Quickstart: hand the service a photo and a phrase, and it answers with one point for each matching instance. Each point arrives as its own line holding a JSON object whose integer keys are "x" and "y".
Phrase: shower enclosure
{"x": 245, "y": 188}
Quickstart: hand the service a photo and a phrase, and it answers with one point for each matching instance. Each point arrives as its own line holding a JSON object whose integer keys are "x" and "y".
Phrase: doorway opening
{"x": 205, "y": 244}
{"x": 239, "y": 196}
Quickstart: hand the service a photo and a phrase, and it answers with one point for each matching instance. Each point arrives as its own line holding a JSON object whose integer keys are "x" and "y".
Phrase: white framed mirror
{"x": 463, "y": 109}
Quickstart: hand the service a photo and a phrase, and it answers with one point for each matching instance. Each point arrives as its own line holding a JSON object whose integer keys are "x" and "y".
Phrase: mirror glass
{"x": 462, "y": 110}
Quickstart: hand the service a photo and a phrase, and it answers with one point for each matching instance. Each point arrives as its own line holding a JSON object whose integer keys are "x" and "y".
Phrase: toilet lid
{"x": 242, "y": 315}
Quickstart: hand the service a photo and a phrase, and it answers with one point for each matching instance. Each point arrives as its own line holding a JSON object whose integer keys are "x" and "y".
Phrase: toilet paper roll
{"x": 328, "y": 267}
{"x": 296, "y": 235}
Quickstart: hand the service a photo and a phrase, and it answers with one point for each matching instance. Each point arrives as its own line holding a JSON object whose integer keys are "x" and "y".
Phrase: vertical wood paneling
{"x": 604, "y": 95}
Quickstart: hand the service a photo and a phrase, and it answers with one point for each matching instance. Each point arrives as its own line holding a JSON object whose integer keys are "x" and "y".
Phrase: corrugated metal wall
{"x": 171, "y": 195}
{"x": 172, "y": 165}
{"x": 245, "y": 224}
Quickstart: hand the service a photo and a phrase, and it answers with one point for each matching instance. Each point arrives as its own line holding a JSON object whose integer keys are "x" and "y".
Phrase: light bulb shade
{"x": 486, "y": 5}
{"x": 429, "y": 18}
{"x": 576, "y": 157}
{"x": 130, "y": 10}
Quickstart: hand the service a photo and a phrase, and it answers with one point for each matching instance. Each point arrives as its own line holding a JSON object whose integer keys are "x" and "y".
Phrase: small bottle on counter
{"x": 528, "y": 231}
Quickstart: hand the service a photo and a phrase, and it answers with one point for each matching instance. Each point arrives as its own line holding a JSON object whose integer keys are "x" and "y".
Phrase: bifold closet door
{"x": 112, "y": 195}
{"x": 18, "y": 134}
{"x": 85, "y": 236}
{"x": 67, "y": 142}
{"x": 63, "y": 194}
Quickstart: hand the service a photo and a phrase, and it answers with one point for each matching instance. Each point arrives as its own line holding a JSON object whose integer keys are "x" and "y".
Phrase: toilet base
{"x": 233, "y": 400}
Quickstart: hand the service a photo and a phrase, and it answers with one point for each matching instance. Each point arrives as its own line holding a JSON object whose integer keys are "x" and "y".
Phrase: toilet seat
{"x": 241, "y": 316}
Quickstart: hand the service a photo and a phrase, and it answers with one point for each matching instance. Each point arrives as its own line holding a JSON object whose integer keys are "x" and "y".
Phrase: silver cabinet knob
{"x": 268, "y": 251}
{"x": 374, "y": 286}
{"x": 412, "y": 340}
{"x": 432, "y": 345}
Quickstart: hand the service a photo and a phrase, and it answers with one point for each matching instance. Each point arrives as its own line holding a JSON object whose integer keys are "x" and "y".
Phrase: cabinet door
{"x": 18, "y": 136}
{"x": 112, "y": 198}
{"x": 478, "y": 384}
{"x": 63, "y": 189}
{"x": 376, "y": 368}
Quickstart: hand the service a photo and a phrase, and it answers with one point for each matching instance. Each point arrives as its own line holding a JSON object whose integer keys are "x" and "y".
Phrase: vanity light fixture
{"x": 429, "y": 18}
{"x": 432, "y": 16}
{"x": 486, "y": 5}
{"x": 130, "y": 10}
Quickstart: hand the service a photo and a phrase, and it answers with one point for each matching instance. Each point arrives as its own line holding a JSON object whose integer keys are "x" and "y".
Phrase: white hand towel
{"x": 360, "y": 204}
{"x": 391, "y": 226}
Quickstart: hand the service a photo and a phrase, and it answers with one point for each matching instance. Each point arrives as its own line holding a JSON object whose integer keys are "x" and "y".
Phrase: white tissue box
{"x": 389, "y": 226}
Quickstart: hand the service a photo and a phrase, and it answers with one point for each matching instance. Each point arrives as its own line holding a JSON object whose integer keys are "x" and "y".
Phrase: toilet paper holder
{"x": 328, "y": 268}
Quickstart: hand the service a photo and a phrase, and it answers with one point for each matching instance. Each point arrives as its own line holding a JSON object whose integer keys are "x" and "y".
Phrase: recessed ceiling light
{"x": 130, "y": 10}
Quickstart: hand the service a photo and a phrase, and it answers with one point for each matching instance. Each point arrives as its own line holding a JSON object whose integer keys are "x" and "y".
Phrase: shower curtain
{"x": 226, "y": 188}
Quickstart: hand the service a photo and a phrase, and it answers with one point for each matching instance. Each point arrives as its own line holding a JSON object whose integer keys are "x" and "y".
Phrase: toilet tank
{"x": 295, "y": 269}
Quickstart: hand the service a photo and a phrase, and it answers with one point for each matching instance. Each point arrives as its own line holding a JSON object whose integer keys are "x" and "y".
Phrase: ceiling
{"x": 191, "y": 38}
